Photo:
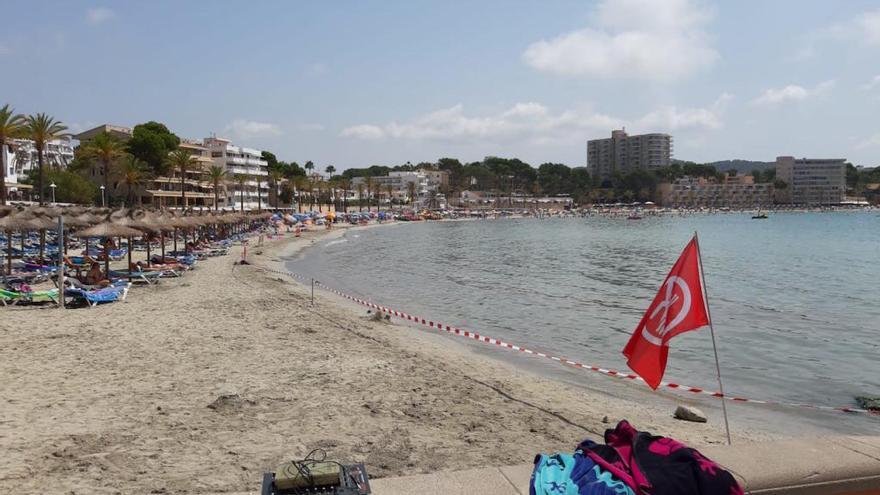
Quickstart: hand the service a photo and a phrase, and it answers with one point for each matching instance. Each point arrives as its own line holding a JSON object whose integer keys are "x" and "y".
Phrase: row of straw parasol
{"x": 86, "y": 223}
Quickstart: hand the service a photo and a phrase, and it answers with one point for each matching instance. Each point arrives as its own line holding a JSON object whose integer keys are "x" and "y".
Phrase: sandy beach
{"x": 199, "y": 384}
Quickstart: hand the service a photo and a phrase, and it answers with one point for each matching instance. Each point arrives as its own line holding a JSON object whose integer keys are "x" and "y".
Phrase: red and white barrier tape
{"x": 617, "y": 374}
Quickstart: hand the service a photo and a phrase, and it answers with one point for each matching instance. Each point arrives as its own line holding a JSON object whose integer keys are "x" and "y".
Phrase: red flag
{"x": 678, "y": 307}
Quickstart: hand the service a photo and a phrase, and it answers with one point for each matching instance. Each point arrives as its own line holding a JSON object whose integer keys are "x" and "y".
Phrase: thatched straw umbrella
{"x": 148, "y": 223}
{"x": 107, "y": 229}
{"x": 14, "y": 221}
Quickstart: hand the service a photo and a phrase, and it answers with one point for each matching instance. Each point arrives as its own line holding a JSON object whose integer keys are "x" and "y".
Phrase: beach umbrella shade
{"x": 11, "y": 221}
{"x": 107, "y": 229}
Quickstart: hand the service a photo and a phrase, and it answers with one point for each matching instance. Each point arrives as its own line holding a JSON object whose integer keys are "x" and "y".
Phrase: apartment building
{"x": 739, "y": 192}
{"x": 245, "y": 162}
{"x": 20, "y": 157}
{"x": 811, "y": 181}
{"x": 624, "y": 153}
{"x": 400, "y": 185}
{"x": 197, "y": 189}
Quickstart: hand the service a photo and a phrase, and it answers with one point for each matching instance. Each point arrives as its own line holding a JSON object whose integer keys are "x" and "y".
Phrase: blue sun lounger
{"x": 116, "y": 292}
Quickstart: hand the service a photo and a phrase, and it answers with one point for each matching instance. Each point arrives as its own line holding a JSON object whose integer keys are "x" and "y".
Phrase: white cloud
{"x": 659, "y": 40}
{"x": 869, "y": 142}
{"x": 672, "y": 118}
{"x": 873, "y": 83}
{"x": 791, "y": 93}
{"x": 363, "y": 131}
{"x": 534, "y": 123}
{"x": 246, "y": 129}
{"x": 5, "y": 49}
{"x": 98, "y": 15}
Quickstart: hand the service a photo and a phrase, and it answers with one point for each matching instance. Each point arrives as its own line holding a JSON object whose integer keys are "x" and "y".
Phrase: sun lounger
{"x": 116, "y": 292}
{"x": 147, "y": 277}
{"x": 8, "y": 297}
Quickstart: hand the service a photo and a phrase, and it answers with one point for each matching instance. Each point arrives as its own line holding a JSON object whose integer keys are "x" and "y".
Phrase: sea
{"x": 793, "y": 298}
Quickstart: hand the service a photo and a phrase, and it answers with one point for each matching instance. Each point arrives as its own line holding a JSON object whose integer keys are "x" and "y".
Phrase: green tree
{"x": 330, "y": 170}
{"x": 275, "y": 177}
{"x": 71, "y": 187}
{"x": 852, "y": 177}
{"x": 217, "y": 175}
{"x": 151, "y": 142}
{"x": 11, "y": 126}
{"x": 106, "y": 150}
{"x": 360, "y": 191}
{"x": 271, "y": 159}
{"x": 309, "y": 166}
{"x": 42, "y": 128}
{"x": 180, "y": 161}
{"x": 133, "y": 173}
{"x": 554, "y": 178}
{"x": 411, "y": 192}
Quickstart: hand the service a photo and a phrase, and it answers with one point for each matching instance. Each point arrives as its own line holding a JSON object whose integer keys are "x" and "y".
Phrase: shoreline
{"x": 231, "y": 367}
{"x": 768, "y": 420}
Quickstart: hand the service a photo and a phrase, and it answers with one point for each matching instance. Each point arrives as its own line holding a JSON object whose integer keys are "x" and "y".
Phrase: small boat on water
{"x": 759, "y": 216}
{"x": 634, "y": 216}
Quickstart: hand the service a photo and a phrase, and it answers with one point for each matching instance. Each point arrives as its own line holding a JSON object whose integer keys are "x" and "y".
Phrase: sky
{"x": 358, "y": 83}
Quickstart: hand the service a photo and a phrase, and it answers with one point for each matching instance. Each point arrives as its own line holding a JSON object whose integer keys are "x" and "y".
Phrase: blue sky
{"x": 355, "y": 83}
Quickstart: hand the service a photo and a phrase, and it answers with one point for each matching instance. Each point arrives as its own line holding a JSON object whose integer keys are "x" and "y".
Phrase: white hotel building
{"x": 239, "y": 160}
{"x": 21, "y": 158}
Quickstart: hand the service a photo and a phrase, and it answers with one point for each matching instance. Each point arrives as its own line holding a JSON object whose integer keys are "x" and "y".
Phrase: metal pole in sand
{"x": 714, "y": 345}
{"x": 313, "y": 291}
{"x": 61, "y": 249}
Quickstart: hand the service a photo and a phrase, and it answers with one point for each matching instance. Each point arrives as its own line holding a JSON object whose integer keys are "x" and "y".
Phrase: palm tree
{"x": 390, "y": 190}
{"x": 11, "y": 126}
{"x": 42, "y": 128}
{"x": 360, "y": 190}
{"x": 275, "y": 178}
{"x": 345, "y": 185}
{"x": 370, "y": 184}
{"x": 240, "y": 178}
{"x": 105, "y": 149}
{"x": 411, "y": 190}
{"x": 298, "y": 184}
{"x": 181, "y": 160}
{"x": 330, "y": 170}
{"x": 133, "y": 173}
{"x": 309, "y": 166}
{"x": 216, "y": 174}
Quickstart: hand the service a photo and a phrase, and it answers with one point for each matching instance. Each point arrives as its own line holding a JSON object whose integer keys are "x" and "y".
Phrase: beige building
{"x": 624, "y": 153}
{"x": 121, "y": 133}
{"x": 811, "y": 181}
{"x": 737, "y": 192}
{"x": 198, "y": 191}
{"x": 163, "y": 190}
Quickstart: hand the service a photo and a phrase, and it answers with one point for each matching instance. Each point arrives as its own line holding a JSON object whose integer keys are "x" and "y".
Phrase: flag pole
{"x": 714, "y": 345}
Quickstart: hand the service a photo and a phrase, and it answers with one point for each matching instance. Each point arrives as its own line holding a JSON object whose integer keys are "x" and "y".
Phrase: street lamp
{"x": 53, "y": 186}
{"x": 103, "y": 201}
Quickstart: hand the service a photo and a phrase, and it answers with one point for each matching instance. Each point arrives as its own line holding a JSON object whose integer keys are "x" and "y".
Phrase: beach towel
{"x": 565, "y": 474}
{"x": 656, "y": 465}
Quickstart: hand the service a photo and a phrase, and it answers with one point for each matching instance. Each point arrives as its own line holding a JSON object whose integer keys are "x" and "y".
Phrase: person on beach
{"x": 95, "y": 277}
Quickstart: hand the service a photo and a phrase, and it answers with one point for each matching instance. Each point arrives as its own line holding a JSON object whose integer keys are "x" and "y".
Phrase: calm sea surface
{"x": 795, "y": 298}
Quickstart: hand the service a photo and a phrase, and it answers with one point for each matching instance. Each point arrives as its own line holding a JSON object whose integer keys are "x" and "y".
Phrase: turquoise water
{"x": 793, "y": 298}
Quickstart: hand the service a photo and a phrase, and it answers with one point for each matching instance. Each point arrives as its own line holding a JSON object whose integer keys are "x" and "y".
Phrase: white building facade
{"x": 400, "y": 186}
{"x": 247, "y": 162}
{"x": 21, "y": 157}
